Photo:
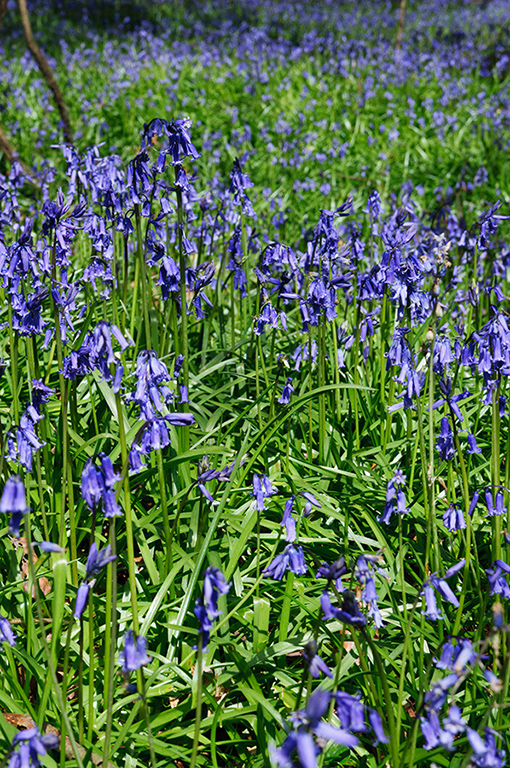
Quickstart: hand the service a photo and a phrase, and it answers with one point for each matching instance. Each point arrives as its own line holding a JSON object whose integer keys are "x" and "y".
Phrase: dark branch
{"x": 46, "y": 70}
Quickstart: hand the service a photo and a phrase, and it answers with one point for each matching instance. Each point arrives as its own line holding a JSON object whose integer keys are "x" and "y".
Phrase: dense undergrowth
{"x": 254, "y": 442}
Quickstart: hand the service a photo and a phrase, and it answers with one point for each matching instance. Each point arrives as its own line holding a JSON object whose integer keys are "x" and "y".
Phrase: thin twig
{"x": 45, "y": 69}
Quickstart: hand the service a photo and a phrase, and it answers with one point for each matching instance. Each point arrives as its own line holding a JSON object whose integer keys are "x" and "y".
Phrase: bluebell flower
{"x": 395, "y": 498}
{"x": 350, "y": 711}
{"x": 239, "y": 183}
{"x": 485, "y": 752}
{"x": 314, "y": 662}
{"x": 437, "y": 736}
{"x": 169, "y": 277}
{"x": 495, "y": 684}
{"x": 453, "y": 518}
{"x": 374, "y": 205}
{"x": 444, "y": 443}
{"x": 151, "y": 393}
{"x": 452, "y": 400}
{"x": 29, "y": 746}
{"x": 472, "y": 444}
{"x": 14, "y": 502}
{"x": 290, "y": 527}
{"x": 435, "y": 698}
{"x": 441, "y": 586}
{"x": 292, "y": 559}
{"x": 333, "y": 572}
{"x": 488, "y": 224}
{"x": 214, "y": 585}
{"x": 431, "y": 612}
{"x": 288, "y": 389}
{"x": 82, "y": 596}
{"x": 13, "y": 496}
{"x": 155, "y": 434}
{"x": 307, "y": 723}
{"x": 349, "y": 613}
{"x": 135, "y": 460}
{"x": 365, "y": 577}
{"x": 97, "y": 485}
{"x": 497, "y": 508}
{"x": 375, "y": 721}
{"x": 23, "y": 441}
{"x": 40, "y": 394}
{"x": 6, "y": 633}
{"x": 311, "y": 501}
{"x": 205, "y": 622}
{"x": 48, "y": 546}
{"x": 96, "y": 561}
{"x": 262, "y": 489}
{"x": 176, "y": 139}
{"x": 134, "y": 654}
{"x": 206, "y": 607}
{"x": 497, "y": 582}
{"x": 302, "y": 352}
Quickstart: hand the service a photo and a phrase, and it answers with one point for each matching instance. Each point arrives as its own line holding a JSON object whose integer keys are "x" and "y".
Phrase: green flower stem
{"x": 65, "y": 680}
{"x": 393, "y": 734}
{"x": 125, "y": 282}
{"x": 426, "y": 480}
{"x": 467, "y": 518}
{"x": 143, "y": 275}
{"x": 338, "y": 402}
{"x": 232, "y": 315}
{"x": 310, "y": 388}
{"x": 128, "y": 512}
{"x": 407, "y": 648}
{"x": 382, "y": 359}
{"x": 134, "y": 304}
{"x": 273, "y": 393}
{"x": 322, "y": 396}
{"x": 401, "y": 564}
{"x": 15, "y": 682}
{"x": 13, "y": 354}
{"x": 356, "y": 374}
{"x": 110, "y": 639}
{"x": 80, "y": 683}
{"x": 198, "y": 715}
{"x": 299, "y": 694}
{"x": 91, "y": 712}
{"x": 283, "y": 631}
{"x": 184, "y": 304}
{"x": 495, "y": 470}
{"x": 431, "y": 469}
{"x": 148, "y": 720}
{"x": 164, "y": 508}
{"x": 184, "y": 350}
{"x": 366, "y": 669}
{"x": 51, "y": 667}
{"x": 257, "y": 577}
{"x": 389, "y": 417}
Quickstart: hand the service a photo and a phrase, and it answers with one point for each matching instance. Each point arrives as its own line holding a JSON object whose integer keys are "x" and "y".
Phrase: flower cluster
{"x": 206, "y": 607}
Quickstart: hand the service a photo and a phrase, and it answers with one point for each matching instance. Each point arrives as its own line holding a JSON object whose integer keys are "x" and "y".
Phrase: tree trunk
{"x": 46, "y": 70}
{"x": 400, "y": 30}
{"x": 3, "y": 10}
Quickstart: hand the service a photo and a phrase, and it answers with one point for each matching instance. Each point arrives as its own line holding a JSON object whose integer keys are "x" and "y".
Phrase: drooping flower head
{"x": 306, "y": 724}
{"x": 96, "y": 561}
{"x": 29, "y": 746}
{"x": 14, "y": 502}
{"x": 206, "y": 607}
{"x": 134, "y": 654}
{"x": 6, "y": 633}
{"x": 97, "y": 485}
